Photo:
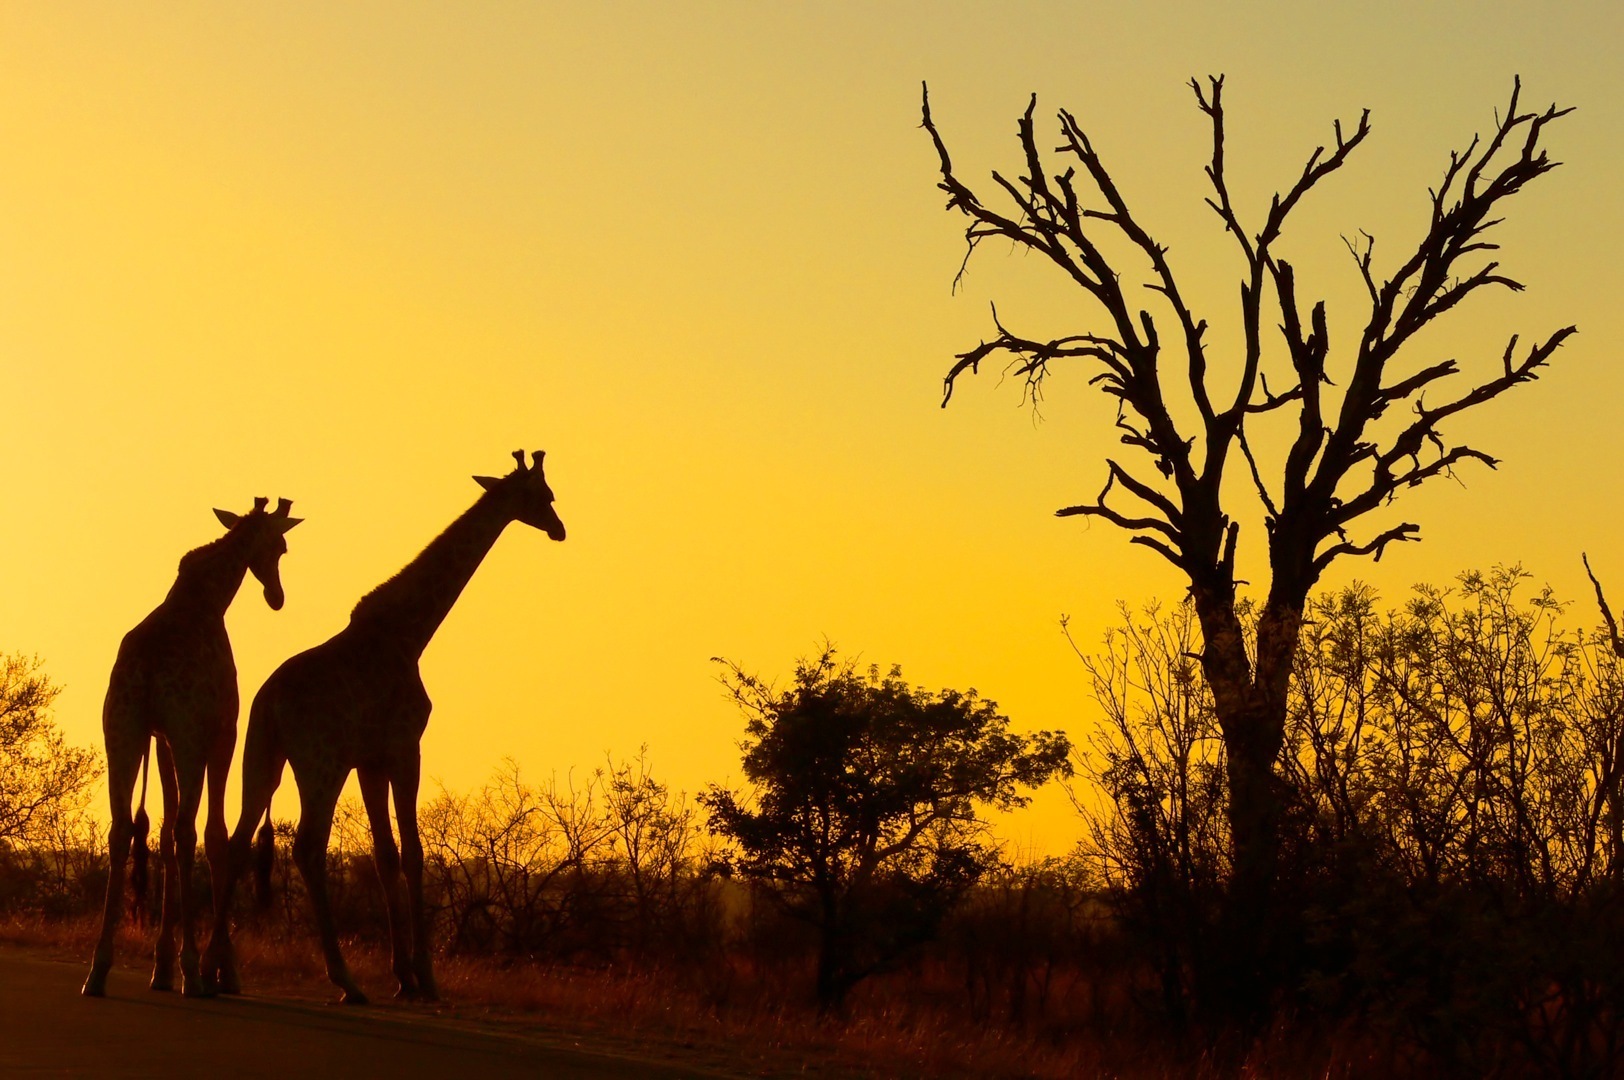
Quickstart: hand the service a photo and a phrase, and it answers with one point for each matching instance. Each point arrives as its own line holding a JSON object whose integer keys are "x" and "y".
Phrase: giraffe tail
{"x": 264, "y": 861}
{"x": 138, "y": 850}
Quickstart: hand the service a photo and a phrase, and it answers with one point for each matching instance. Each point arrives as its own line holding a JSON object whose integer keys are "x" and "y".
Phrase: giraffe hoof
{"x": 353, "y": 996}
{"x": 94, "y": 986}
{"x": 196, "y": 988}
{"x": 162, "y": 983}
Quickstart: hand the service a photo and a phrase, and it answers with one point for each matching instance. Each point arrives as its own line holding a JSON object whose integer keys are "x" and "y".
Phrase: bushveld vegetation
{"x": 1453, "y": 769}
{"x": 1452, "y": 844}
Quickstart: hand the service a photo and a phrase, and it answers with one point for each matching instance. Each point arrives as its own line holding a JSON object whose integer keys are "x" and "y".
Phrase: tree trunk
{"x": 1250, "y": 700}
{"x": 834, "y": 976}
{"x": 834, "y": 969}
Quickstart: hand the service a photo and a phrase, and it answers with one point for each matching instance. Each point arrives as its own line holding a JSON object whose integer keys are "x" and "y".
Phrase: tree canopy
{"x": 40, "y": 774}
{"x": 866, "y": 793}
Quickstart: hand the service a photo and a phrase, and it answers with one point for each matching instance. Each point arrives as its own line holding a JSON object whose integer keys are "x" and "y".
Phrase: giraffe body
{"x": 356, "y": 702}
{"x": 175, "y": 682}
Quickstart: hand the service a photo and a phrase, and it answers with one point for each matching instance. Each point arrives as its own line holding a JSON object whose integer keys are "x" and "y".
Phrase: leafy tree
{"x": 863, "y": 821}
{"x": 41, "y": 776}
{"x": 1187, "y": 419}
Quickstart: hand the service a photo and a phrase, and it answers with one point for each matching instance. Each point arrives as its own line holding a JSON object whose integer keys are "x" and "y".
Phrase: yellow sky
{"x": 352, "y": 254}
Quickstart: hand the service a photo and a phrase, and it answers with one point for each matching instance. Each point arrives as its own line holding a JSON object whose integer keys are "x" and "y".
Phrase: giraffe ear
{"x": 227, "y": 518}
{"x": 288, "y": 523}
{"x": 486, "y": 482}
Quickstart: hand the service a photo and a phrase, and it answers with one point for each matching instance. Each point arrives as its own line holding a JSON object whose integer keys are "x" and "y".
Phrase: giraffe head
{"x": 261, "y": 532}
{"x": 526, "y": 494}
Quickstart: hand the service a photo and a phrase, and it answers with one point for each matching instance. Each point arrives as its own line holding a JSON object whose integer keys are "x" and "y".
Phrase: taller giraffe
{"x": 356, "y": 702}
{"x": 175, "y": 681}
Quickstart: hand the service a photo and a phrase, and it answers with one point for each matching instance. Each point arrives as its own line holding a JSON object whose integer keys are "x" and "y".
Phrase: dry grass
{"x": 747, "y": 1027}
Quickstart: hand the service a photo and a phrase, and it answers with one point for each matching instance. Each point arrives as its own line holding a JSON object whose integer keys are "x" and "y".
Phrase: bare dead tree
{"x": 1338, "y": 468}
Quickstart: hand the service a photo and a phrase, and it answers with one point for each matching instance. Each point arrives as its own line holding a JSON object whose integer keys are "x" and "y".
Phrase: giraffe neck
{"x": 209, "y": 577}
{"x": 409, "y": 607}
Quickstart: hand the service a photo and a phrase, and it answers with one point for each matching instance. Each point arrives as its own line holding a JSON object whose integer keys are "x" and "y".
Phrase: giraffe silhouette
{"x": 357, "y": 702}
{"x": 175, "y": 682}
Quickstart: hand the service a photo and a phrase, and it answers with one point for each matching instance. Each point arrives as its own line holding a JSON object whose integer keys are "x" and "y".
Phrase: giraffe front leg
{"x": 165, "y": 951}
{"x": 191, "y": 794}
{"x": 310, "y": 855}
{"x": 219, "y": 959}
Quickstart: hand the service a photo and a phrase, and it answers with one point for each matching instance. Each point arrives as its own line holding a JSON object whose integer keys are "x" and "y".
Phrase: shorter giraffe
{"x": 356, "y": 702}
{"x": 175, "y": 681}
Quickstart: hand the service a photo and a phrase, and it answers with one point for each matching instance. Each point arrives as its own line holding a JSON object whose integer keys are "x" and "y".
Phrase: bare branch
{"x": 1313, "y": 172}
{"x": 1098, "y": 508}
{"x": 1030, "y": 358}
{"x": 1257, "y": 481}
{"x": 1211, "y": 102}
{"x": 1077, "y": 143}
{"x": 1405, "y": 387}
{"x": 1271, "y": 401}
{"x": 1397, "y": 534}
{"x": 1606, "y": 612}
{"x": 1424, "y": 429}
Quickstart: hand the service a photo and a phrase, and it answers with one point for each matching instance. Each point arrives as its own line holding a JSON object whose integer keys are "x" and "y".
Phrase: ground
{"x": 48, "y": 1029}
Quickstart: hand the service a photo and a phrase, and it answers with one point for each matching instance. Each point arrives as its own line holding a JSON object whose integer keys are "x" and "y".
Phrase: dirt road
{"x": 47, "y": 1029}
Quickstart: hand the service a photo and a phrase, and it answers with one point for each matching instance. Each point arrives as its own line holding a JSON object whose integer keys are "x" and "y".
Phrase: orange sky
{"x": 353, "y": 254}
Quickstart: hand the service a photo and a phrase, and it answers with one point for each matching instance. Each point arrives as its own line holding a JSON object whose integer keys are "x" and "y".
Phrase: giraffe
{"x": 357, "y": 702}
{"x": 175, "y": 682}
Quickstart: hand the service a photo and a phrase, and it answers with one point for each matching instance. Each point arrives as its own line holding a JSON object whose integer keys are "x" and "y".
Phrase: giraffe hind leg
{"x": 405, "y": 783}
{"x": 386, "y": 858}
{"x": 123, "y": 763}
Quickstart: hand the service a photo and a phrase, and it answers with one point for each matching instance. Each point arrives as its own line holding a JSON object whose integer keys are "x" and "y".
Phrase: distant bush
{"x": 607, "y": 868}
{"x": 48, "y": 838}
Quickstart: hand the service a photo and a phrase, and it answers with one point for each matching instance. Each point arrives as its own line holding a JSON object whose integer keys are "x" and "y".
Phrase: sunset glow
{"x": 353, "y": 256}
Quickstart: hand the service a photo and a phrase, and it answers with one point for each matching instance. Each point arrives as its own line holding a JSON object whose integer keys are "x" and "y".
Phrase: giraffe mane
{"x": 196, "y": 558}
{"x": 375, "y": 602}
